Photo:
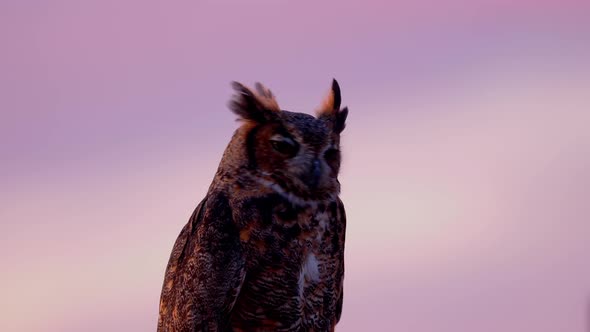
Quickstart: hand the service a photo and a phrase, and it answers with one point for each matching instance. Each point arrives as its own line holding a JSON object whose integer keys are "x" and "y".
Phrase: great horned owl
{"x": 264, "y": 250}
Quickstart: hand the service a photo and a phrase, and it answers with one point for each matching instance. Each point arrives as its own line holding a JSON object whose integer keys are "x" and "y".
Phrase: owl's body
{"x": 264, "y": 251}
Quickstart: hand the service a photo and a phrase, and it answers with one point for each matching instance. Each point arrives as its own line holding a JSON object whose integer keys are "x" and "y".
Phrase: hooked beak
{"x": 315, "y": 174}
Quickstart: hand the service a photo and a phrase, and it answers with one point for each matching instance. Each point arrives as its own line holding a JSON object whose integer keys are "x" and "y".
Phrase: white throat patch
{"x": 311, "y": 269}
{"x": 309, "y": 272}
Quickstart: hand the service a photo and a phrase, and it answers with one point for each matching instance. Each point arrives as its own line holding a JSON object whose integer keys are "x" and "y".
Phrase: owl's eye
{"x": 331, "y": 154}
{"x": 284, "y": 145}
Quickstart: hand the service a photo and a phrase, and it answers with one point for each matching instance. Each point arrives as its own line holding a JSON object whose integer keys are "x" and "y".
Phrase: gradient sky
{"x": 466, "y": 172}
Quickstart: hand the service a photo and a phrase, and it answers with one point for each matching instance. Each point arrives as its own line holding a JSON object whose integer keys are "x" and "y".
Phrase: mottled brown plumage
{"x": 264, "y": 250}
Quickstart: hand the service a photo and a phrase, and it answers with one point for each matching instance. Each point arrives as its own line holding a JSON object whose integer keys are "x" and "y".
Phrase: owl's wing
{"x": 205, "y": 271}
{"x": 341, "y": 235}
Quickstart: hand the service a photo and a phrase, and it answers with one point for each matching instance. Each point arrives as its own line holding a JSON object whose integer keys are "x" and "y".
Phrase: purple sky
{"x": 466, "y": 168}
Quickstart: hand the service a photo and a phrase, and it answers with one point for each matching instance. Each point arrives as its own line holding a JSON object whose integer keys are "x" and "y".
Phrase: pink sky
{"x": 466, "y": 168}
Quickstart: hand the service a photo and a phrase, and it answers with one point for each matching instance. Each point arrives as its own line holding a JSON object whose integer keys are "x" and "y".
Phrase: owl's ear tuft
{"x": 340, "y": 121}
{"x": 332, "y": 101}
{"x": 259, "y": 106}
{"x": 337, "y": 99}
{"x": 330, "y": 109}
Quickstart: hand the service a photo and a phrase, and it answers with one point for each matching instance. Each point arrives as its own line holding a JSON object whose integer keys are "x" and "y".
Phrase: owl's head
{"x": 291, "y": 152}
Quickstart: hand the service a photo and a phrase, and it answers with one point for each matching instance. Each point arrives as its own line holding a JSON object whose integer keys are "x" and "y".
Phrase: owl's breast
{"x": 292, "y": 278}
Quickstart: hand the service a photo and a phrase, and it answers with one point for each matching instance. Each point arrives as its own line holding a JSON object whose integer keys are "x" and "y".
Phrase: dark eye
{"x": 285, "y": 146}
{"x": 331, "y": 154}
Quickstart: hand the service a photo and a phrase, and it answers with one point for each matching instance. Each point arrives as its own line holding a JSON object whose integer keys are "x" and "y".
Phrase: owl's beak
{"x": 315, "y": 174}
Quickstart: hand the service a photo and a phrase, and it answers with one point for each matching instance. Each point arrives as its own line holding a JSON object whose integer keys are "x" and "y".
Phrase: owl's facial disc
{"x": 287, "y": 148}
{"x": 300, "y": 153}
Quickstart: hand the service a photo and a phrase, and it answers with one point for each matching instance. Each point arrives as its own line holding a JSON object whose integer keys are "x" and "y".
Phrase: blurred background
{"x": 466, "y": 172}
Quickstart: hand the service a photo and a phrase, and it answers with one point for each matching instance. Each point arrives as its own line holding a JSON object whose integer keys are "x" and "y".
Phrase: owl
{"x": 264, "y": 250}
